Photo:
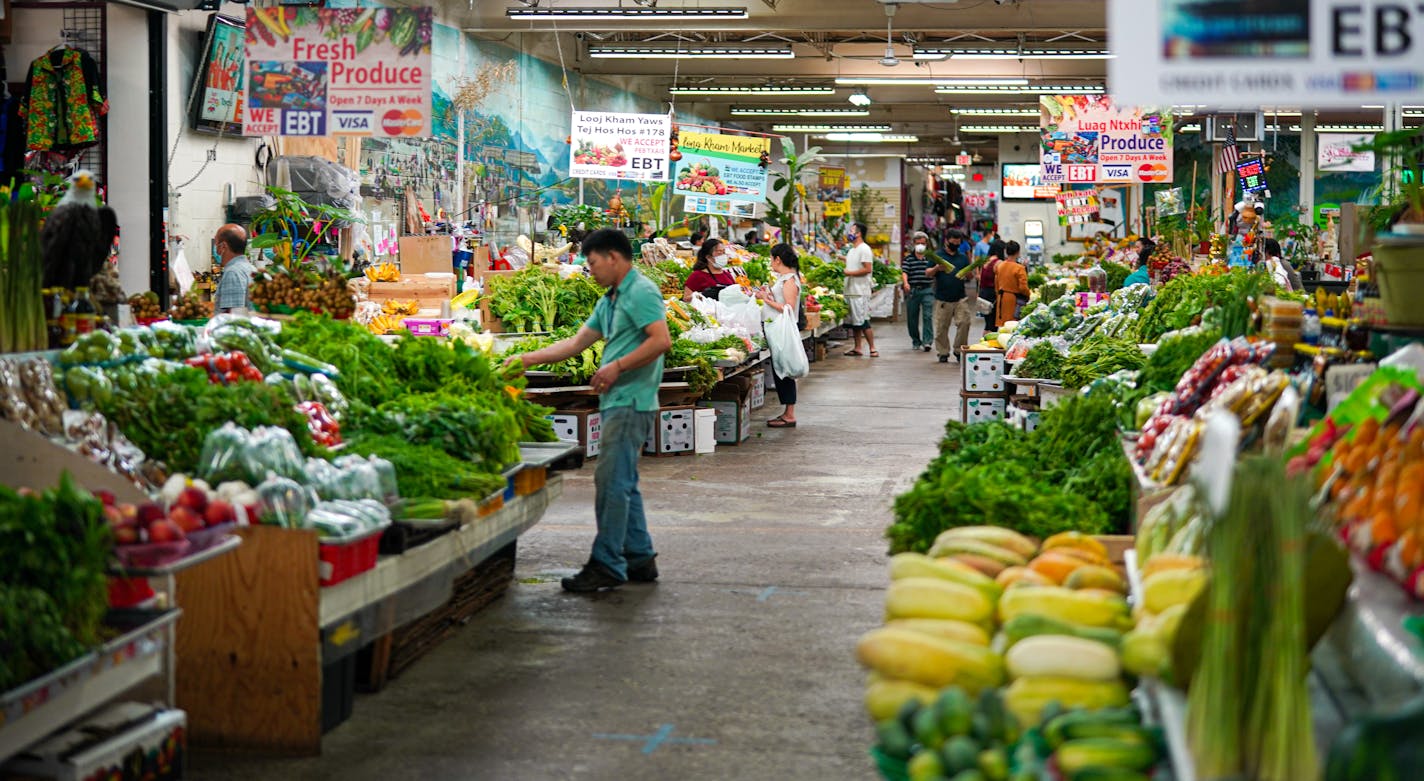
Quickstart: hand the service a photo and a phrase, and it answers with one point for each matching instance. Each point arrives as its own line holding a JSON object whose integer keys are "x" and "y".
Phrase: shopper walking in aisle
{"x": 986, "y": 284}
{"x": 785, "y": 291}
{"x": 230, "y": 244}
{"x": 632, "y": 323}
{"x": 860, "y": 264}
{"x": 981, "y": 246}
{"x": 953, "y": 303}
{"x": 709, "y": 273}
{"x": 1010, "y": 284}
{"x": 919, "y": 292}
{"x": 1140, "y": 275}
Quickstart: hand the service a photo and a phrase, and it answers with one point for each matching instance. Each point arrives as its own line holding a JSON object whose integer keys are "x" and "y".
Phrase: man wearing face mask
{"x": 860, "y": 264}
{"x": 919, "y": 292}
{"x": 953, "y": 306}
{"x": 709, "y": 274}
{"x": 230, "y": 247}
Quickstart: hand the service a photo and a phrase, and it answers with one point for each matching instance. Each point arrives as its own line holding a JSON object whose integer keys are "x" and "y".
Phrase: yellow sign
{"x": 838, "y": 208}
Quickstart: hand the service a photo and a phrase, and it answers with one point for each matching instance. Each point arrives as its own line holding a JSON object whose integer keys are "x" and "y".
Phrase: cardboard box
{"x": 981, "y": 409}
{"x": 126, "y": 741}
{"x": 582, "y": 426}
{"x": 758, "y": 392}
{"x": 734, "y": 419}
{"x": 674, "y": 431}
{"x": 426, "y": 292}
{"x": 426, "y": 254}
{"x": 983, "y": 371}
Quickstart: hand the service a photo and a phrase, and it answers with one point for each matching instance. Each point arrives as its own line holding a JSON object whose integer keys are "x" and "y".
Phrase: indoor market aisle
{"x": 737, "y": 665}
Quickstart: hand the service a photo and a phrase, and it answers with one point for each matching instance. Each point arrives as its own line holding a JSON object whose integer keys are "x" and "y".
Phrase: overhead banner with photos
{"x": 721, "y": 174}
{"x": 337, "y": 71}
{"x": 607, "y": 145}
{"x": 1087, "y": 139}
{"x": 1336, "y": 152}
{"x": 1305, "y": 53}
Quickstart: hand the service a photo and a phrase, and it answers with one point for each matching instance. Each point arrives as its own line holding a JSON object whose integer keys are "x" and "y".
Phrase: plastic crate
{"x": 129, "y": 592}
{"x": 530, "y": 480}
{"x": 344, "y": 559}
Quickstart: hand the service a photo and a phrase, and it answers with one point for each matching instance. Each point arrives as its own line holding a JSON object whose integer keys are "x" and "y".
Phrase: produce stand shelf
{"x": 44, "y": 705}
{"x": 554, "y": 456}
{"x": 166, "y": 570}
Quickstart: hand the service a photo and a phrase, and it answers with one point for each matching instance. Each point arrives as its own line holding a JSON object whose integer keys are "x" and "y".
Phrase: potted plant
{"x": 788, "y": 183}
{"x": 292, "y": 228}
{"x": 1398, "y": 222}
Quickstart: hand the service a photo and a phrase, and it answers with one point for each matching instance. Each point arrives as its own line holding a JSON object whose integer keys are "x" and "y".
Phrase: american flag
{"x": 1230, "y": 153}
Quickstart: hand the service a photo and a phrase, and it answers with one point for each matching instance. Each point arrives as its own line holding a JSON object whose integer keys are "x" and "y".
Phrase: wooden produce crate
{"x": 426, "y": 292}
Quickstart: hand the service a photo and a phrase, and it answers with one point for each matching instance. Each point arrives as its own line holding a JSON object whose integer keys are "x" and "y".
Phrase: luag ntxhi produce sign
{"x": 1088, "y": 140}
{"x": 337, "y": 71}
{"x": 606, "y": 145}
{"x": 721, "y": 174}
{"x": 1306, "y": 53}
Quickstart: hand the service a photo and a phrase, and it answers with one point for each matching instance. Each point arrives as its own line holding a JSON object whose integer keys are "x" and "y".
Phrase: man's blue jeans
{"x": 618, "y": 506}
{"x": 919, "y": 315}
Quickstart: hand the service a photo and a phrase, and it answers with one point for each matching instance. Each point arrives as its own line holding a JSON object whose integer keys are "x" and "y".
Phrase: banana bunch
{"x": 394, "y": 307}
{"x": 386, "y": 324}
{"x": 385, "y": 272}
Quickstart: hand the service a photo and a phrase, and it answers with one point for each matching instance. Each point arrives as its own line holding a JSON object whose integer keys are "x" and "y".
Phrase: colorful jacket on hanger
{"x": 64, "y": 102}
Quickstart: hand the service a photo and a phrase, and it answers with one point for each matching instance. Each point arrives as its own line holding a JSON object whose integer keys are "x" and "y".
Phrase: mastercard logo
{"x": 1153, "y": 172}
{"x": 396, "y": 122}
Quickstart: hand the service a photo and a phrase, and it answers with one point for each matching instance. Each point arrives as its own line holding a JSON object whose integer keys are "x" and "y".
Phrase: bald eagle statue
{"x": 78, "y": 235}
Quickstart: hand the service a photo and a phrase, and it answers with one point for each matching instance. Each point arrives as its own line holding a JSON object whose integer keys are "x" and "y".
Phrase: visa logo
{"x": 353, "y": 121}
{"x": 1117, "y": 171}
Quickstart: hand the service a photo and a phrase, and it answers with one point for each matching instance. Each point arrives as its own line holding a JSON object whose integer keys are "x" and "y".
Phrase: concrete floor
{"x": 739, "y": 664}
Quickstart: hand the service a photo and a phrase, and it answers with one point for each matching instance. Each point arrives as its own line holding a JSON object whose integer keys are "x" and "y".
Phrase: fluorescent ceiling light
{"x": 1189, "y": 129}
{"x": 873, "y": 138}
{"x": 871, "y": 81}
{"x": 996, "y": 112}
{"x": 625, "y": 14}
{"x": 753, "y": 90}
{"x": 940, "y": 52}
{"x": 859, "y": 98}
{"x": 999, "y": 129}
{"x": 1036, "y": 89}
{"x": 1410, "y": 111}
{"x": 644, "y": 51}
{"x": 1282, "y": 113}
{"x": 804, "y": 111}
{"x": 1343, "y": 128}
{"x": 860, "y": 155}
{"x": 830, "y": 128}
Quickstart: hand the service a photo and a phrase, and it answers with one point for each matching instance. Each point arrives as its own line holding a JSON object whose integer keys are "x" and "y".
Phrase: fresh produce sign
{"x": 337, "y": 71}
{"x": 606, "y": 145}
{"x": 717, "y": 171}
{"x": 1087, "y": 139}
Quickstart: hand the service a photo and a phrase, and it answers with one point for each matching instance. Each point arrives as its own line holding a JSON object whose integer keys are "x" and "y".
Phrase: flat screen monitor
{"x": 1023, "y": 182}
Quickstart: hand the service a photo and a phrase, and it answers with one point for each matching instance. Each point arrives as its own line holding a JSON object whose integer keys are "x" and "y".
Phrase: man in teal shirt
{"x": 632, "y": 323}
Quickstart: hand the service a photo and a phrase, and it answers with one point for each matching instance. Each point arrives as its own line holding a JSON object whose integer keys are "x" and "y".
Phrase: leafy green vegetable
{"x": 1098, "y": 356}
{"x": 883, "y": 274}
{"x": 1116, "y": 274}
{"x": 1176, "y": 353}
{"x": 1042, "y": 361}
{"x": 535, "y": 300}
{"x": 1183, "y": 300}
{"x": 425, "y": 470}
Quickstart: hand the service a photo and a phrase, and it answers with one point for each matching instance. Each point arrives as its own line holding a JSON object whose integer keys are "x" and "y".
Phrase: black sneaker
{"x": 944, "y": 359}
{"x": 593, "y": 577}
{"x": 926, "y": 348}
{"x": 644, "y": 571}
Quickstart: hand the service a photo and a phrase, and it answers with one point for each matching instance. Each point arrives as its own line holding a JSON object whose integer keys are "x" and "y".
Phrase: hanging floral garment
{"x": 64, "y": 102}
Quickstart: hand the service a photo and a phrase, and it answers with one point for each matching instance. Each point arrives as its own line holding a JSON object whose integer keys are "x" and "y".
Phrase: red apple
{"x": 107, "y": 497}
{"x": 113, "y": 516}
{"x": 187, "y": 519}
{"x": 220, "y": 512}
{"x": 165, "y": 531}
{"x": 126, "y": 535}
{"x": 193, "y": 498}
{"x": 129, "y": 513}
{"x": 149, "y": 513}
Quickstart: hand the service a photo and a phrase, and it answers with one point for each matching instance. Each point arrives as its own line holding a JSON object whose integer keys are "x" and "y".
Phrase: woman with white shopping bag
{"x": 782, "y": 301}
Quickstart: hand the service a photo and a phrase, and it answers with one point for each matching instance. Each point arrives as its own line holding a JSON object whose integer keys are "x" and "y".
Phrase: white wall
{"x": 198, "y": 209}
{"x": 127, "y": 63}
{"x": 882, "y": 174}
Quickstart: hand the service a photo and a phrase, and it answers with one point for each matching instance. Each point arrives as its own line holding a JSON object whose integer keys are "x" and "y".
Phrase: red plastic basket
{"x": 349, "y": 558}
{"x": 129, "y": 592}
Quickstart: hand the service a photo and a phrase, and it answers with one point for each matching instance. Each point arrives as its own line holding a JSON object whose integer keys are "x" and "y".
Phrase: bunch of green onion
{"x": 22, "y": 317}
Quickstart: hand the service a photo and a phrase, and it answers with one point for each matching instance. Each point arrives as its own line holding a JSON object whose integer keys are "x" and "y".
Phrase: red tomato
{"x": 222, "y": 363}
{"x": 240, "y": 360}
{"x": 232, "y": 376}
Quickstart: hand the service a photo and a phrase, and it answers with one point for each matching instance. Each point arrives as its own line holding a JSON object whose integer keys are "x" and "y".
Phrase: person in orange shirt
{"x": 1010, "y": 284}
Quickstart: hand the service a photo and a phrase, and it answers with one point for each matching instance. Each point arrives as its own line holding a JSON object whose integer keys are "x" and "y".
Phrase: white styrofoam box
{"x": 705, "y": 440}
{"x": 582, "y": 426}
{"x": 125, "y": 741}
{"x": 674, "y": 431}
{"x": 734, "y": 419}
{"x": 758, "y": 392}
{"x": 981, "y": 409}
{"x": 1026, "y": 419}
{"x": 983, "y": 371}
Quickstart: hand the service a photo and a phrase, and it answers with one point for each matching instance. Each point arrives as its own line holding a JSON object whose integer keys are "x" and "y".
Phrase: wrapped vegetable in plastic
{"x": 37, "y": 380}
{"x": 95, "y": 347}
{"x": 13, "y": 405}
{"x": 284, "y": 502}
{"x": 173, "y": 341}
{"x": 87, "y": 385}
{"x": 360, "y": 479}
{"x": 136, "y": 342}
{"x": 326, "y": 392}
{"x": 234, "y": 453}
{"x": 342, "y": 518}
{"x": 1131, "y": 298}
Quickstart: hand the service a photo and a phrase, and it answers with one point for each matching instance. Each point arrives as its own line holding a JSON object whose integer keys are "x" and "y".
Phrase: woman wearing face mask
{"x": 709, "y": 274}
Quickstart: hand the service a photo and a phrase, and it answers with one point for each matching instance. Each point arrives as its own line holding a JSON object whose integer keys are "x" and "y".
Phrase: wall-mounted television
{"x": 217, "y": 107}
{"x": 1023, "y": 182}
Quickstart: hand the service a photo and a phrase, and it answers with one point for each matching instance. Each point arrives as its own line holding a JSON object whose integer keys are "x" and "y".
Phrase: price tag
{"x": 303, "y": 123}
{"x": 1340, "y": 381}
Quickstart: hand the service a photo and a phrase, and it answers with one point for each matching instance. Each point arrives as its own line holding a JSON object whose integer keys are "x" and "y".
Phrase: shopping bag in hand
{"x": 788, "y": 355}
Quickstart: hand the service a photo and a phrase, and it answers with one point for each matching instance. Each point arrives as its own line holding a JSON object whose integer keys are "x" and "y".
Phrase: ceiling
{"x": 830, "y": 40}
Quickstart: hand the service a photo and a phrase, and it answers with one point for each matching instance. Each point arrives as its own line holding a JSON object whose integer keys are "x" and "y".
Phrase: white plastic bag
{"x": 788, "y": 355}
{"x": 738, "y": 311}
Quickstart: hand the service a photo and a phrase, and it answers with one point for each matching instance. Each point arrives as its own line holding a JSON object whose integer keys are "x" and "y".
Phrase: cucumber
{"x": 1077, "y": 755}
{"x": 1059, "y": 729}
{"x": 1108, "y": 774}
{"x": 954, "y": 711}
{"x": 927, "y": 729}
{"x": 306, "y": 364}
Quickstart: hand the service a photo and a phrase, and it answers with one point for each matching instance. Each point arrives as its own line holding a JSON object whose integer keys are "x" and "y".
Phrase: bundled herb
{"x": 1116, "y": 274}
{"x": 819, "y": 273}
{"x": 578, "y": 370}
{"x": 533, "y": 300}
{"x": 22, "y": 316}
{"x": 1098, "y": 356}
{"x": 1043, "y": 361}
{"x": 883, "y": 274}
{"x": 1182, "y": 302}
{"x": 470, "y": 428}
{"x": 427, "y": 471}
{"x": 1176, "y": 353}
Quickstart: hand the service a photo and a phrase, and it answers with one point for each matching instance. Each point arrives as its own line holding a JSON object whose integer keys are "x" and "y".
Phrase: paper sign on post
{"x": 329, "y": 71}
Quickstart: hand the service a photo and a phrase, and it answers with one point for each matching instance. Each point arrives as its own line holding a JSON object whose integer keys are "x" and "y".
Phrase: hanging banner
{"x": 833, "y": 184}
{"x": 717, "y": 172}
{"x": 707, "y": 204}
{"x": 1336, "y": 152}
{"x": 1305, "y": 53}
{"x": 605, "y": 145}
{"x": 1089, "y": 140}
{"x": 1078, "y": 206}
{"x": 337, "y": 71}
